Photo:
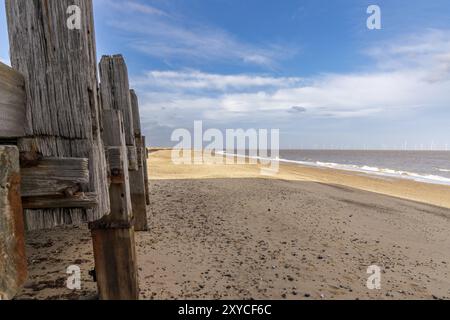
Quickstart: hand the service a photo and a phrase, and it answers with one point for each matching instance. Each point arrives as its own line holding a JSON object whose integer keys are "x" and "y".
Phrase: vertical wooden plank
{"x": 116, "y": 231}
{"x": 113, "y": 236}
{"x": 137, "y": 186}
{"x": 13, "y": 262}
{"x": 62, "y": 109}
{"x": 114, "y": 137}
{"x": 115, "y": 95}
{"x": 138, "y": 200}
{"x": 136, "y": 114}
{"x": 145, "y": 164}
{"x": 115, "y": 91}
{"x": 115, "y": 263}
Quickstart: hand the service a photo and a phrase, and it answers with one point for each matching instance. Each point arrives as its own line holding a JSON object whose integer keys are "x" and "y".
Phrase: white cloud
{"x": 142, "y": 8}
{"x": 200, "y": 43}
{"x": 193, "y": 79}
{"x": 407, "y": 75}
{"x": 427, "y": 52}
{"x": 132, "y": 6}
{"x": 173, "y": 36}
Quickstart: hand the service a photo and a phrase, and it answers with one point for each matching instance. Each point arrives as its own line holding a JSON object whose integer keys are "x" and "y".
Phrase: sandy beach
{"x": 227, "y": 232}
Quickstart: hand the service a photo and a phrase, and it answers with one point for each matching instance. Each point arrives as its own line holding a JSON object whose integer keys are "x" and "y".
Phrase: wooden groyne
{"x": 69, "y": 146}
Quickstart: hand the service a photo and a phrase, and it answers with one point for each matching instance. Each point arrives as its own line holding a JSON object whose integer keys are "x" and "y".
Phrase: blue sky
{"x": 310, "y": 68}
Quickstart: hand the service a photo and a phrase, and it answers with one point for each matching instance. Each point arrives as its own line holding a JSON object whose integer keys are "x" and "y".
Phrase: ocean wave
{"x": 385, "y": 172}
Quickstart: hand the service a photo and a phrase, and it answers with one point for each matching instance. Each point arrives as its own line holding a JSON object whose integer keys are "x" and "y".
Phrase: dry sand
{"x": 226, "y": 232}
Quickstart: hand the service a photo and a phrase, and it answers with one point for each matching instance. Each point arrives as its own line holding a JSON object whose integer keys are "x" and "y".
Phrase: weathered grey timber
{"x": 116, "y": 151}
{"x": 113, "y": 236}
{"x": 12, "y": 103}
{"x": 145, "y": 158}
{"x": 136, "y": 114}
{"x": 116, "y": 95}
{"x": 138, "y": 200}
{"x": 133, "y": 162}
{"x": 47, "y": 219}
{"x": 115, "y": 91}
{"x": 13, "y": 262}
{"x": 84, "y": 200}
{"x": 62, "y": 109}
{"x": 55, "y": 177}
{"x": 137, "y": 177}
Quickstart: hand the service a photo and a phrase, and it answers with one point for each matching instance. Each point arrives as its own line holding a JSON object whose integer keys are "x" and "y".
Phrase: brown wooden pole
{"x": 13, "y": 262}
{"x": 113, "y": 236}
{"x": 115, "y": 261}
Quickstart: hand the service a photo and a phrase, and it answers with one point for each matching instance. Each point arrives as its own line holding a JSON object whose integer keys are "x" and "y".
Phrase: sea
{"x": 423, "y": 166}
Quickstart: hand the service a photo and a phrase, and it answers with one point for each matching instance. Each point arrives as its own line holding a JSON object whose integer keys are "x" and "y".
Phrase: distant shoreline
{"x": 434, "y": 194}
{"x": 366, "y": 168}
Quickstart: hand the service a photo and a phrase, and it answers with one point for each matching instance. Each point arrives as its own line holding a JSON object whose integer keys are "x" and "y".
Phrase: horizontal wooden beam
{"x": 44, "y": 177}
{"x": 83, "y": 200}
{"x": 12, "y": 103}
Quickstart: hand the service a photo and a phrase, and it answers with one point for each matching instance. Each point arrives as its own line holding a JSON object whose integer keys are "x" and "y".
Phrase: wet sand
{"x": 226, "y": 232}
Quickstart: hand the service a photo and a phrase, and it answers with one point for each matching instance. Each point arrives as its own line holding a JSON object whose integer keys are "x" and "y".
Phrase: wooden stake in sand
{"x": 138, "y": 189}
{"x": 115, "y": 93}
{"x": 113, "y": 236}
{"x": 62, "y": 130}
{"x": 13, "y": 262}
{"x": 145, "y": 164}
{"x": 62, "y": 110}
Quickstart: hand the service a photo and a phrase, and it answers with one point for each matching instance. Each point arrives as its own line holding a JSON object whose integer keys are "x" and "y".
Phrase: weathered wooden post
{"x": 62, "y": 110}
{"x": 145, "y": 157}
{"x": 138, "y": 189}
{"x": 13, "y": 262}
{"x": 113, "y": 236}
{"x": 65, "y": 174}
{"x": 12, "y": 104}
{"x": 115, "y": 93}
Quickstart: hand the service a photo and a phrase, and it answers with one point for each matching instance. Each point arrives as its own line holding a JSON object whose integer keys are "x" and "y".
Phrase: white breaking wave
{"x": 427, "y": 178}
